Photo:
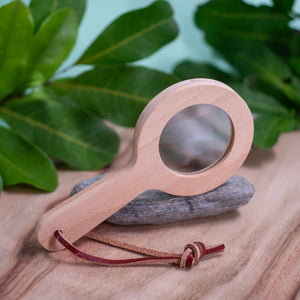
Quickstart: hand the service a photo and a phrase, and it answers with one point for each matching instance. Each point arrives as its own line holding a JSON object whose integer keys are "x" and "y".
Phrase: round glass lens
{"x": 195, "y": 138}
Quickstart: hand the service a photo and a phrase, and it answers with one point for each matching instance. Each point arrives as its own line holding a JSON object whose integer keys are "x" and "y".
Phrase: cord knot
{"x": 191, "y": 254}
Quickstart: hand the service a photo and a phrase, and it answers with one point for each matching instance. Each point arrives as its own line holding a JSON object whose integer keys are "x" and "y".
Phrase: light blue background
{"x": 189, "y": 45}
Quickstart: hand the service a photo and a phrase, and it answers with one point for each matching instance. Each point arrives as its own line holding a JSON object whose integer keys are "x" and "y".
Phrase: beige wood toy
{"x": 146, "y": 169}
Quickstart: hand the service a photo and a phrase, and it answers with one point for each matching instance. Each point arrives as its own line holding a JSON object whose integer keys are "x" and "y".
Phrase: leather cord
{"x": 192, "y": 253}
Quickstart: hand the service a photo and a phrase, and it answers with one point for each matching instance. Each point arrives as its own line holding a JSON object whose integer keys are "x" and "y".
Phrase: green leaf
{"x": 188, "y": 69}
{"x": 51, "y": 45}
{"x": 262, "y": 63}
{"x": 63, "y": 131}
{"x": 297, "y": 122}
{"x": 3, "y": 123}
{"x": 292, "y": 90}
{"x": 258, "y": 41}
{"x": 16, "y": 31}
{"x": 271, "y": 117}
{"x": 42, "y": 9}
{"x": 133, "y": 36}
{"x": 233, "y": 24}
{"x": 259, "y": 102}
{"x": 22, "y": 162}
{"x": 294, "y": 42}
{"x": 265, "y": 66}
{"x": 294, "y": 63}
{"x": 267, "y": 129}
{"x": 284, "y": 5}
{"x": 118, "y": 94}
{"x": 1, "y": 184}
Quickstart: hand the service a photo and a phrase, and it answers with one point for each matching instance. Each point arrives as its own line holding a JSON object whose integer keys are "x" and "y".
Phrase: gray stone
{"x": 156, "y": 207}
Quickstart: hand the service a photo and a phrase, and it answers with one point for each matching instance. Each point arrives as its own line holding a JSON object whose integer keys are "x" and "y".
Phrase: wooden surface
{"x": 145, "y": 170}
{"x": 261, "y": 259}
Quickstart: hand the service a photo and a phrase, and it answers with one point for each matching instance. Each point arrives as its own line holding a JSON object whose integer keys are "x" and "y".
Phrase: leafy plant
{"x": 43, "y": 117}
{"x": 264, "y": 52}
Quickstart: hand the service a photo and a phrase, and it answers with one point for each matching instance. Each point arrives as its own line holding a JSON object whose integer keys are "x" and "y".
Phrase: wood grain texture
{"x": 261, "y": 259}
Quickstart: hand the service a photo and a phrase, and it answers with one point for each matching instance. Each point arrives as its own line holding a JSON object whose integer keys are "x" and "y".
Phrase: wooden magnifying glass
{"x": 146, "y": 170}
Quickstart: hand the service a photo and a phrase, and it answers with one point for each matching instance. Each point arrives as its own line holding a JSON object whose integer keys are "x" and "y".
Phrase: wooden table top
{"x": 261, "y": 259}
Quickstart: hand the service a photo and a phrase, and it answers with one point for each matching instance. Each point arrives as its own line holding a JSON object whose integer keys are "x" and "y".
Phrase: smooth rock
{"x": 156, "y": 207}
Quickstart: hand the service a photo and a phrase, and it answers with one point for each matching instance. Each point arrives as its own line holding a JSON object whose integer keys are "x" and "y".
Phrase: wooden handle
{"x": 85, "y": 210}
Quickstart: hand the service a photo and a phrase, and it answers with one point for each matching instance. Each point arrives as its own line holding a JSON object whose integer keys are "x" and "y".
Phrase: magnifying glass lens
{"x": 195, "y": 138}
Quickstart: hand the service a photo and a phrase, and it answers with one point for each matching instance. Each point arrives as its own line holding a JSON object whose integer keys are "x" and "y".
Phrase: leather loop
{"x": 192, "y": 253}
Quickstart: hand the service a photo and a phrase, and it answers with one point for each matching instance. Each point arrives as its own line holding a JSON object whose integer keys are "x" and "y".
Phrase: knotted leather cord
{"x": 192, "y": 253}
